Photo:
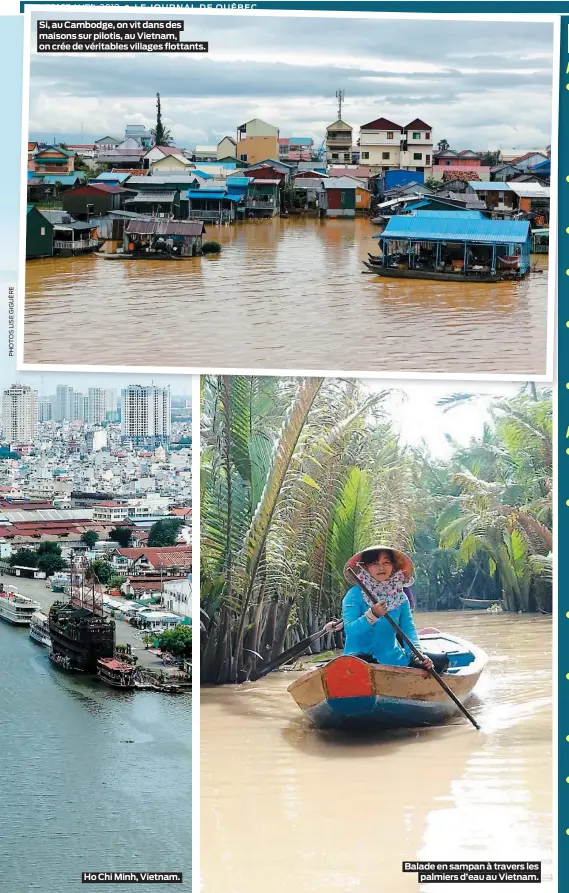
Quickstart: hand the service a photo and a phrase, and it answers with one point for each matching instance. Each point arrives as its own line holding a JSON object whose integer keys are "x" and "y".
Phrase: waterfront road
{"x": 125, "y": 633}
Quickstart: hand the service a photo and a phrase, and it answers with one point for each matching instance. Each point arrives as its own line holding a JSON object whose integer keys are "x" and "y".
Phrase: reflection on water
{"x": 93, "y": 779}
{"x": 283, "y": 294}
{"x": 284, "y": 807}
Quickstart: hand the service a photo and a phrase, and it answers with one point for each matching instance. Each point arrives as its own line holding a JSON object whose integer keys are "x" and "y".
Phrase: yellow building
{"x": 257, "y": 141}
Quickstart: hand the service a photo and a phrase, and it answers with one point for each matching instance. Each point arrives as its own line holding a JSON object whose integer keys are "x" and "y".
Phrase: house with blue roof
{"x": 216, "y": 204}
{"x": 453, "y": 247}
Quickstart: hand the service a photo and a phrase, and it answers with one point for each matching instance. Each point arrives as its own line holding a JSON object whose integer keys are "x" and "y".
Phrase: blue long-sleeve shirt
{"x": 377, "y": 639}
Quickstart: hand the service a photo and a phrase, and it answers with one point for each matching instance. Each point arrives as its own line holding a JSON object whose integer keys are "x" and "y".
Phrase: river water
{"x": 285, "y": 807}
{"x": 92, "y": 779}
{"x": 284, "y": 294}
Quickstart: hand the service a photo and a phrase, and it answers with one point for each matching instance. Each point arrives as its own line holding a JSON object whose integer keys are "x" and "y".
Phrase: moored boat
{"x": 116, "y": 673}
{"x": 479, "y": 602}
{"x": 349, "y": 693}
{"x": 39, "y": 629}
{"x": 17, "y": 609}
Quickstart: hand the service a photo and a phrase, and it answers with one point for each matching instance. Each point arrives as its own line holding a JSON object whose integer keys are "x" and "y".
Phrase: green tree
{"x": 89, "y": 537}
{"x": 103, "y": 570}
{"x": 122, "y": 536}
{"x": 165, "y": 532}
{"x": 162, "y": 136}
{"x": 442, "y": 145}
{"x": 491, "y": 159}
{"x": 24, "y": 558}
{"x": 49, "y": 558}
{"x": 177, "y": 641}
{"x": 116, "y": 581}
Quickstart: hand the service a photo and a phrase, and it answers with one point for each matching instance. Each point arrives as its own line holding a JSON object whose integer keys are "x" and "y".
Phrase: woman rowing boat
{"x": 386, "y": 573}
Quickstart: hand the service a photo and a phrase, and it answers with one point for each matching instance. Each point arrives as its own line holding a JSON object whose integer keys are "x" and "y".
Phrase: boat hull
{"x": 393, "y": 273}
{"x": 349, "y": 693}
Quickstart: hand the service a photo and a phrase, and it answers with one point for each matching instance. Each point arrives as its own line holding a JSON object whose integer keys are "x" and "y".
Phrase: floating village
{"x": 442, "y": 213}
{"x": 95, "y": 531}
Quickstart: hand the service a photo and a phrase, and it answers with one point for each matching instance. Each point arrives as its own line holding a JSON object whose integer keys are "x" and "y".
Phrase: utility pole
{"x": 340, "y": 97}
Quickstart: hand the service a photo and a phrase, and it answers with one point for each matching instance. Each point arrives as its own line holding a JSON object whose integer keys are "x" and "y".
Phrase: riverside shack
{"x": 157, "y": 237}
{"x": 453, "y": 247}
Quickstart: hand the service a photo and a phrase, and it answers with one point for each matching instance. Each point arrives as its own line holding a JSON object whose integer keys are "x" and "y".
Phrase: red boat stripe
{"x": 348, "y": 677}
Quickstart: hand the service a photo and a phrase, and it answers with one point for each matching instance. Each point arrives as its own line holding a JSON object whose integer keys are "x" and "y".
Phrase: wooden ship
{"x": 80, "y": 633}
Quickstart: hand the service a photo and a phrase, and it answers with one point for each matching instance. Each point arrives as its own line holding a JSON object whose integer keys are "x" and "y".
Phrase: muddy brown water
{"x": 285, "y": 807}
{"x": 284, "y": 294}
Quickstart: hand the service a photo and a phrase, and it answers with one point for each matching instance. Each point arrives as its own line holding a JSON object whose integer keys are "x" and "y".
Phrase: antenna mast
{"x": 340, "y": 97}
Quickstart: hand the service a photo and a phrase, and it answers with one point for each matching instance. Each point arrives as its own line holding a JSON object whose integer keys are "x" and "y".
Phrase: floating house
{"x": 95, "y": 198}
{"x": 155, "y": 238}
{"x": 342, "y": 196}
{"x": 39, "y": 234}
{"x": 459, "y": 247}
{"x": 532, "y": 198}
{"x": 160, "y": 201}
{"x": 263, "y": 198}
{"x": 216, "y": 204}
{"x": 77, "y": 237}
{"x": 497, "y": 195}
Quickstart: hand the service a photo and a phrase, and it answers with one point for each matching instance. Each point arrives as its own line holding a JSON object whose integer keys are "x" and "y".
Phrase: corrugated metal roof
{"x": 307, "y": 183}
{"x": 487, "y": 186}
{"x": 166, "y": 227}
{"x": 530, "y": 190}
{"x": 51, "y": 179}
{"x": 152, "y": 197}
{"x": 459, "y": 228}
{"x": 215, "y": 194}
{"x": 237, "y": 181}
{"x": 343, "y": 183}
{"x": 107, "y": 175}
{"x": 451, "y": 215}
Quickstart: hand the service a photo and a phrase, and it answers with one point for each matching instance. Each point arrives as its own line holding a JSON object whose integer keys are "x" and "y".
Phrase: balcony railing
{"x": 222, "y": 215}
{"x": 77, "y": 245}
{"x": 262, "y": 205}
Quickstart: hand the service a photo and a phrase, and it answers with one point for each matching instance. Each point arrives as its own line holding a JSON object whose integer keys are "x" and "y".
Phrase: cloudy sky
{"x": 478, "y": 84}
{"x": 415, "y": 413}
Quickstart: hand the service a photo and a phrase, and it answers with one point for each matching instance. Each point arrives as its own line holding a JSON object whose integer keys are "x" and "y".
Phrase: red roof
{"x": 527, "y": 155}
{"x": 113, "y": 664}
{"x": 359, "y": 172}
{"x": 381, "y": 124}
{"x": 165, "y": 556}
{"x": 418, "y": 125}
{"x": 107, "y": 504}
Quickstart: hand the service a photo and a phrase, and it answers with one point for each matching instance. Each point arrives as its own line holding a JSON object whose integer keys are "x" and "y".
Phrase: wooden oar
{"x": 414, "y": 649}
{"x": 295, "y": 651}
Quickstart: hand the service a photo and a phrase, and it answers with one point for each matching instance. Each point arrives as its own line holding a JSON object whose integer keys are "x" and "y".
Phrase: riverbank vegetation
{"x": 298, "y": 474}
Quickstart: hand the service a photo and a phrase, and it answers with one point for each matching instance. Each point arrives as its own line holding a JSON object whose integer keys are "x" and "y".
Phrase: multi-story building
{"x": 110, "y": 512}
{"x": 19, "y": 414}
{"x": 45, "y": 409}
{"x": 139, "y": 133}
{"x": 96, "y": 405}
{"x": 79, "y": 408}
{"x": 257, "y": 141}
{"x": 146, "y": 415}
{"x": 63, "y": 405}
{"x": 339, "y": 137}
{"x": 385, "y": 145}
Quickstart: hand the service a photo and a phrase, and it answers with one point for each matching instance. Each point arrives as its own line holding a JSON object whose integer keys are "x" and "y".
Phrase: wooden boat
{"x": 396, "y": 273}
{"x": 349, "y": 693}
{"x": 115, "y": 673}
{"x": 479, "y": 602}
{"x": 155, "y": 255}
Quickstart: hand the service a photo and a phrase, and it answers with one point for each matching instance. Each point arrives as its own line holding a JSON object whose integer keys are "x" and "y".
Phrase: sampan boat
{"x": 349, "y": 693}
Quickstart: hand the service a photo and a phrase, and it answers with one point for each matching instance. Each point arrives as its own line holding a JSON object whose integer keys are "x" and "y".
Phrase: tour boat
{"x": 349, "y": 693}
{"x": 116, "y": 673}
{"x": 39, "y": 629}
{"x": 17, "y": 609}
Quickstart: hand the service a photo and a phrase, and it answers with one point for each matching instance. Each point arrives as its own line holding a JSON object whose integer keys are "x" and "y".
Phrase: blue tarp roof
{"x": 238, "y": 181}
{"x": 234, "y": 196}
{"x": 457, "y": 228}
{"x": 203, "y": 174}
{"x": 544, "y": 167}
{"x": 450, "y": 214}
